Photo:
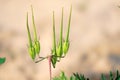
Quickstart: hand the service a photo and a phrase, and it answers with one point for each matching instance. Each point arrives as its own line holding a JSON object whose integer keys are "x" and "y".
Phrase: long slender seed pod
{"x": 59, "y": 49}
{"x": 69, "y": 21}
{"x": 34, "y": 26}
{"x": 54, "y": 36}
{"x": 28, "y": 30}
{"x": 31, "y": 49}
{"x": 36, "y": 41}
{"x": 61, "y": 35}
{"x": 54, "y": 59}
{"x": 67, "y": 43}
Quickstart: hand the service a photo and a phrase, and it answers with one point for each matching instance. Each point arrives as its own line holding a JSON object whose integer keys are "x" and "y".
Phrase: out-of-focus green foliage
{"x": 76, "y": 76}
{"x": 2, "y": 60}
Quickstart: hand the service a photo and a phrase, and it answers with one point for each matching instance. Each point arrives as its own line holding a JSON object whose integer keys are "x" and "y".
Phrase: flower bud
{"x": 37, "y": 47}
{"x": 65, "y": 47}
{"x": 32, "y": 52}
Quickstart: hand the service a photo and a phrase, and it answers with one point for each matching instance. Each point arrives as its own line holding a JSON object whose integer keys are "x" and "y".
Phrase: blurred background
{"x": 94, "y": 37}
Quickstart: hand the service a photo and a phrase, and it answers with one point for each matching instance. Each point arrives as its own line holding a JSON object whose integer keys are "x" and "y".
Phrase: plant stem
{"x": 49, "y": 61}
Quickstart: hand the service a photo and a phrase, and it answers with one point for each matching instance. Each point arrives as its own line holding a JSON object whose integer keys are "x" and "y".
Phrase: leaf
{"x": 2, "y": 60}
{"x": 103, "y": 77}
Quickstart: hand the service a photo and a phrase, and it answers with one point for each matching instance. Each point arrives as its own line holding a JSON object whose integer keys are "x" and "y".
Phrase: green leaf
{"x": 2, "y": 60}
{"x": 111, "y": 76}
{"x": 103, "y": 77}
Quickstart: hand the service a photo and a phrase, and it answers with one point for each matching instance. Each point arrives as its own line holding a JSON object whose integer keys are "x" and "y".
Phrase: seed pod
{"x": 59, "y": 51}
{"x": 60, "y": 46}
{"x": 34, "y": 26}
{"x": 30, "y": 48}
{"x": 66, "y": 47}
{"x": 67, "y": 43}
{"x": 54, "y": 37}
{"x": 36, "y": 41}
{"x": 32, "y": 52}
{"x": 37, "y": 47}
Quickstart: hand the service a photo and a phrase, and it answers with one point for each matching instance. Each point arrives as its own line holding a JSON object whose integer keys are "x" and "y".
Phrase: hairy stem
{"x": 49, "y": 61}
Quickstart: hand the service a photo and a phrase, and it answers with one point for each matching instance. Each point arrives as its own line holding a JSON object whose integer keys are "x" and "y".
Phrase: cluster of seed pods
{"x": 59, "y": 51}
{"x": 34, "y": 45}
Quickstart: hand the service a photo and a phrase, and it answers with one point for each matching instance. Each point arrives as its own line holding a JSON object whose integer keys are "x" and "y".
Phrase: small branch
{"x": 58, "y": 56}
{"x": 41, "y": 59}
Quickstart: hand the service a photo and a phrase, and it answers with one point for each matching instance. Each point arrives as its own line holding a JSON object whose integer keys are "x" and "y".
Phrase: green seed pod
{"x": 66, "y": 47}
{"x": 59, "y": 51}
{"x": 32, "y": 52}
{"x": 37, "y": 47}
{"x": 59, "y": 48}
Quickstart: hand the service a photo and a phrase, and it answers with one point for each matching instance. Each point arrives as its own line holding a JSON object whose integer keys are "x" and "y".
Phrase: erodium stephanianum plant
{"x": 58, "y": 51}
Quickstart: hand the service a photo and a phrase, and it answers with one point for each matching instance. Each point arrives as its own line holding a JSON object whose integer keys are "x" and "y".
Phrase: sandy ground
{"x": 94, "y": 36}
